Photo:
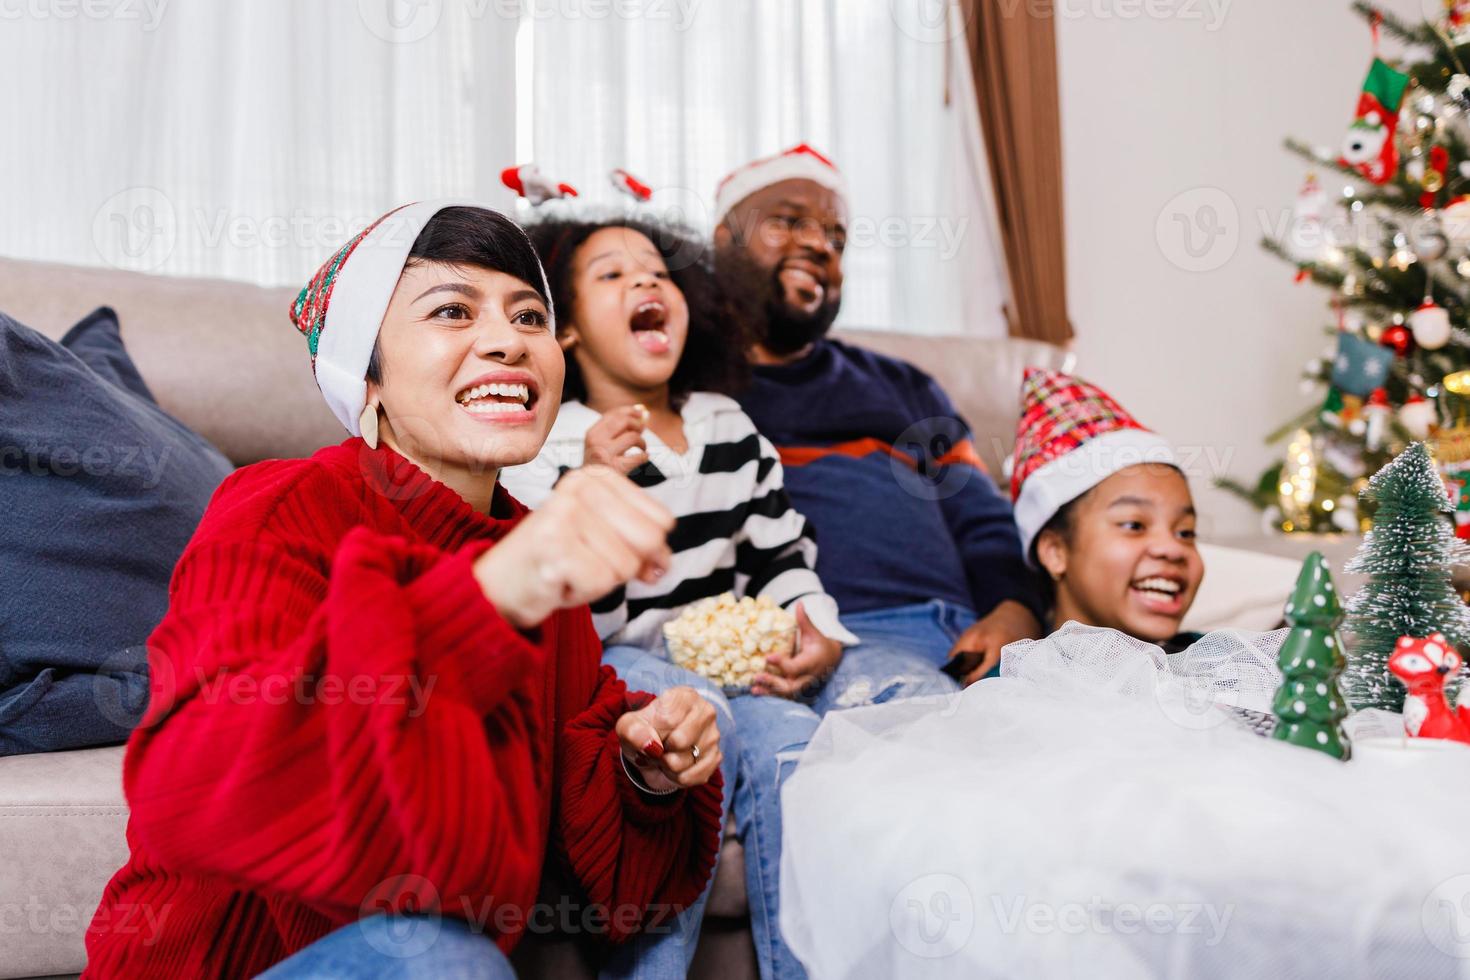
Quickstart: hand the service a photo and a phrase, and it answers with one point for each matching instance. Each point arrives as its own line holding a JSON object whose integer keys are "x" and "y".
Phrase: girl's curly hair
{"x": 719, "y": 323}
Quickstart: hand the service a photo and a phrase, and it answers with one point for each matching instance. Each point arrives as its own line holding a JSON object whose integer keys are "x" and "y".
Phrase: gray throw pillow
{"x": 100, "y": 490}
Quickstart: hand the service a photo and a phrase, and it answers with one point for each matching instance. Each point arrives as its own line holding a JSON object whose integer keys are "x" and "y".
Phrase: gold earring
{"x": 367, "y": 423}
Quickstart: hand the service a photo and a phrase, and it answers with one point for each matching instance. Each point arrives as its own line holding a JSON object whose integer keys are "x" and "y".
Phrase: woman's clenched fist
{"x": 594, "y": 533}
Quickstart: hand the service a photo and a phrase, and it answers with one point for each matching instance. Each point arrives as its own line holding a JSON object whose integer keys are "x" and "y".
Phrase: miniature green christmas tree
{"x": 1308, "y": 705}
{"x": 1408, "y": 557}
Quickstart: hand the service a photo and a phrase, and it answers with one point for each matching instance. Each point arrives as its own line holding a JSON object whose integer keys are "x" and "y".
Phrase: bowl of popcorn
{"x": 728, "y": 640}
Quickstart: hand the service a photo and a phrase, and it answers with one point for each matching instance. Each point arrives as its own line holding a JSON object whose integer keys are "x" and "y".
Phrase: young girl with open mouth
{"x": 649, "y": 343}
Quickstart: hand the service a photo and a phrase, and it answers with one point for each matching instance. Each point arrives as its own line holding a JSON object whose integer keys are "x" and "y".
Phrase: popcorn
{"x": 728, "y": 640}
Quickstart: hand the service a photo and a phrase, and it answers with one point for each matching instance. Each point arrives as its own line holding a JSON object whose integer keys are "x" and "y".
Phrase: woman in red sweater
{"x": 376, "y": 701}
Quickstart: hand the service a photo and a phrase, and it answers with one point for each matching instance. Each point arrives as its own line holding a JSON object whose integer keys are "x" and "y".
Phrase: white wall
{"x": 1157, "y": 107}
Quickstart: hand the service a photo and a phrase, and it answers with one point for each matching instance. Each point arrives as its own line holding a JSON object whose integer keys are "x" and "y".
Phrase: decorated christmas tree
{"x": 1408, "y": 557}
{"x": 1382, "y": 222}
{"x": 1308, "y": 706}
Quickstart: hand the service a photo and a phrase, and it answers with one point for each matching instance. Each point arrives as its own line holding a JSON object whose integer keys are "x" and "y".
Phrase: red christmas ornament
{"x": 1397, "y": 336}
{"x": 1424, "y": 665}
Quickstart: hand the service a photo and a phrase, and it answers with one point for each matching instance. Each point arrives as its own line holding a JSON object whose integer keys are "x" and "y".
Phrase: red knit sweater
{"x": 341, "y": 724}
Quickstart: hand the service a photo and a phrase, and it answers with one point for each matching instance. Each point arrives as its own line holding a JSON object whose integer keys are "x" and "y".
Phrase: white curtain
{"x": 242, "y": 140}
{"x": 688, "y": 90}
{"x": 246, "y": 140}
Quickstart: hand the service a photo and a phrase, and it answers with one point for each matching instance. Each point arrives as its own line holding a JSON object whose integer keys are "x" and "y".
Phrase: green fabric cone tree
{"x": 1309, "y": 707}
{"x": 1408, "y": 557}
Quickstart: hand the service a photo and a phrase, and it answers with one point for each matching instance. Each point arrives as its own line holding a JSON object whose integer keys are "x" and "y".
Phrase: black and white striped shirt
{"x": 736, "y": 529}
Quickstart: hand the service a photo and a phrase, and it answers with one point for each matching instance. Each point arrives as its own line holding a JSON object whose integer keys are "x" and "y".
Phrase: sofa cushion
{"x": 100, "y": 490}
{"x": 62, "y": 823}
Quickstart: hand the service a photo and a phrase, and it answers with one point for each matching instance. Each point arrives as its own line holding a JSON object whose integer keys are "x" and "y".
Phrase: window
{"x": 246, "y": 141}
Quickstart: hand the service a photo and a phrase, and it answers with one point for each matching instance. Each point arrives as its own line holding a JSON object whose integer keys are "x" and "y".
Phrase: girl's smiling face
{"x": 472, "y": 375}
{"x": 629, "y": 322}
{"x": 1127, "y": 557}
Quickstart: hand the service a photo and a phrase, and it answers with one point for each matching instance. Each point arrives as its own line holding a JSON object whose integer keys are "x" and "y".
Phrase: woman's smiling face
{"x": 471, "y": 373}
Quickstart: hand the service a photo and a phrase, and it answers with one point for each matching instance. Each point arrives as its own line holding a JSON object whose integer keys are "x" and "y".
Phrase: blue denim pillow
{"x": 100, "y": 490}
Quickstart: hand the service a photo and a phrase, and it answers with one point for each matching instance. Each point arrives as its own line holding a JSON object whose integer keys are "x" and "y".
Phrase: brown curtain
{"x": 1013, "y": 54}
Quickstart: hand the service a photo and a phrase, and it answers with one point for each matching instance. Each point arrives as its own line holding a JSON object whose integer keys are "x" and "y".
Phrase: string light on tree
{"x": 1299, "y": 481}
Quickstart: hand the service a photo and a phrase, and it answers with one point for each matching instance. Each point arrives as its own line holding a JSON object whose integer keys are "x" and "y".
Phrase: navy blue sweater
{"x": 879, "y": 462}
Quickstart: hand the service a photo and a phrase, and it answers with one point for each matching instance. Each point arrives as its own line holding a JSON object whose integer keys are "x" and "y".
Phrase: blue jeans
{"x": 762, "y": 739}
{"x": 400, "y": 947}
{"x": 925, "y": 630}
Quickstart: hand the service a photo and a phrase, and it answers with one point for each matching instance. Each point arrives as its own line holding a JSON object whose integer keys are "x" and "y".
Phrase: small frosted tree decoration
{"x": 1408, "y": 557}
{"x": 1308, "y": 706}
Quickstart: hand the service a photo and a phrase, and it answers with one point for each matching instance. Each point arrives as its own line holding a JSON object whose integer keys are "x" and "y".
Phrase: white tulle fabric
{"x": 1102, "y": 810}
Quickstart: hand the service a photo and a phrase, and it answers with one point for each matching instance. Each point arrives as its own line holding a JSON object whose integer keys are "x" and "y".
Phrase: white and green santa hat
{"x": 341, "y": 308}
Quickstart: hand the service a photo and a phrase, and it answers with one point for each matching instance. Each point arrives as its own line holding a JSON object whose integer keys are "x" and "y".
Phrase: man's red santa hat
{"x": 801, "y": 162}
{"x": 1071, "y": 437}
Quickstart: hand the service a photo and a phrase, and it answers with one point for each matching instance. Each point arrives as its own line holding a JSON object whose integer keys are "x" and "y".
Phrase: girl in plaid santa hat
{"x": 1104, "y": 511}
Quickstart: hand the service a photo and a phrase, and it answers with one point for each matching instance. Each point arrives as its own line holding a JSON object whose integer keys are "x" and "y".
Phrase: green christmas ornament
{"x": 1309, "y": 707}
{"x": 1409, "y": 557}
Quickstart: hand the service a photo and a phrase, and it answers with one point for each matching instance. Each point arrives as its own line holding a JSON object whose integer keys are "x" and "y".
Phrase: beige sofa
{"x": 224, "y": 359}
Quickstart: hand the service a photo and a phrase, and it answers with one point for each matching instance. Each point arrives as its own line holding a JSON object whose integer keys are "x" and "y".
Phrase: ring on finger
{"x": 695, "y": 752}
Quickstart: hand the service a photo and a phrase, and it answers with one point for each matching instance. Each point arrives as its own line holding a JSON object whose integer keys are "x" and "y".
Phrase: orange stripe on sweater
{"x": 963, "y": 452}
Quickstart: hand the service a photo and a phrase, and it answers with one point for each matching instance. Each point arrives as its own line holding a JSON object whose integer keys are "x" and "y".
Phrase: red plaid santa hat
{"x": 341, "y": 308}
{"x": 1071, "y": 437}
{"x": 801, "y": 162}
